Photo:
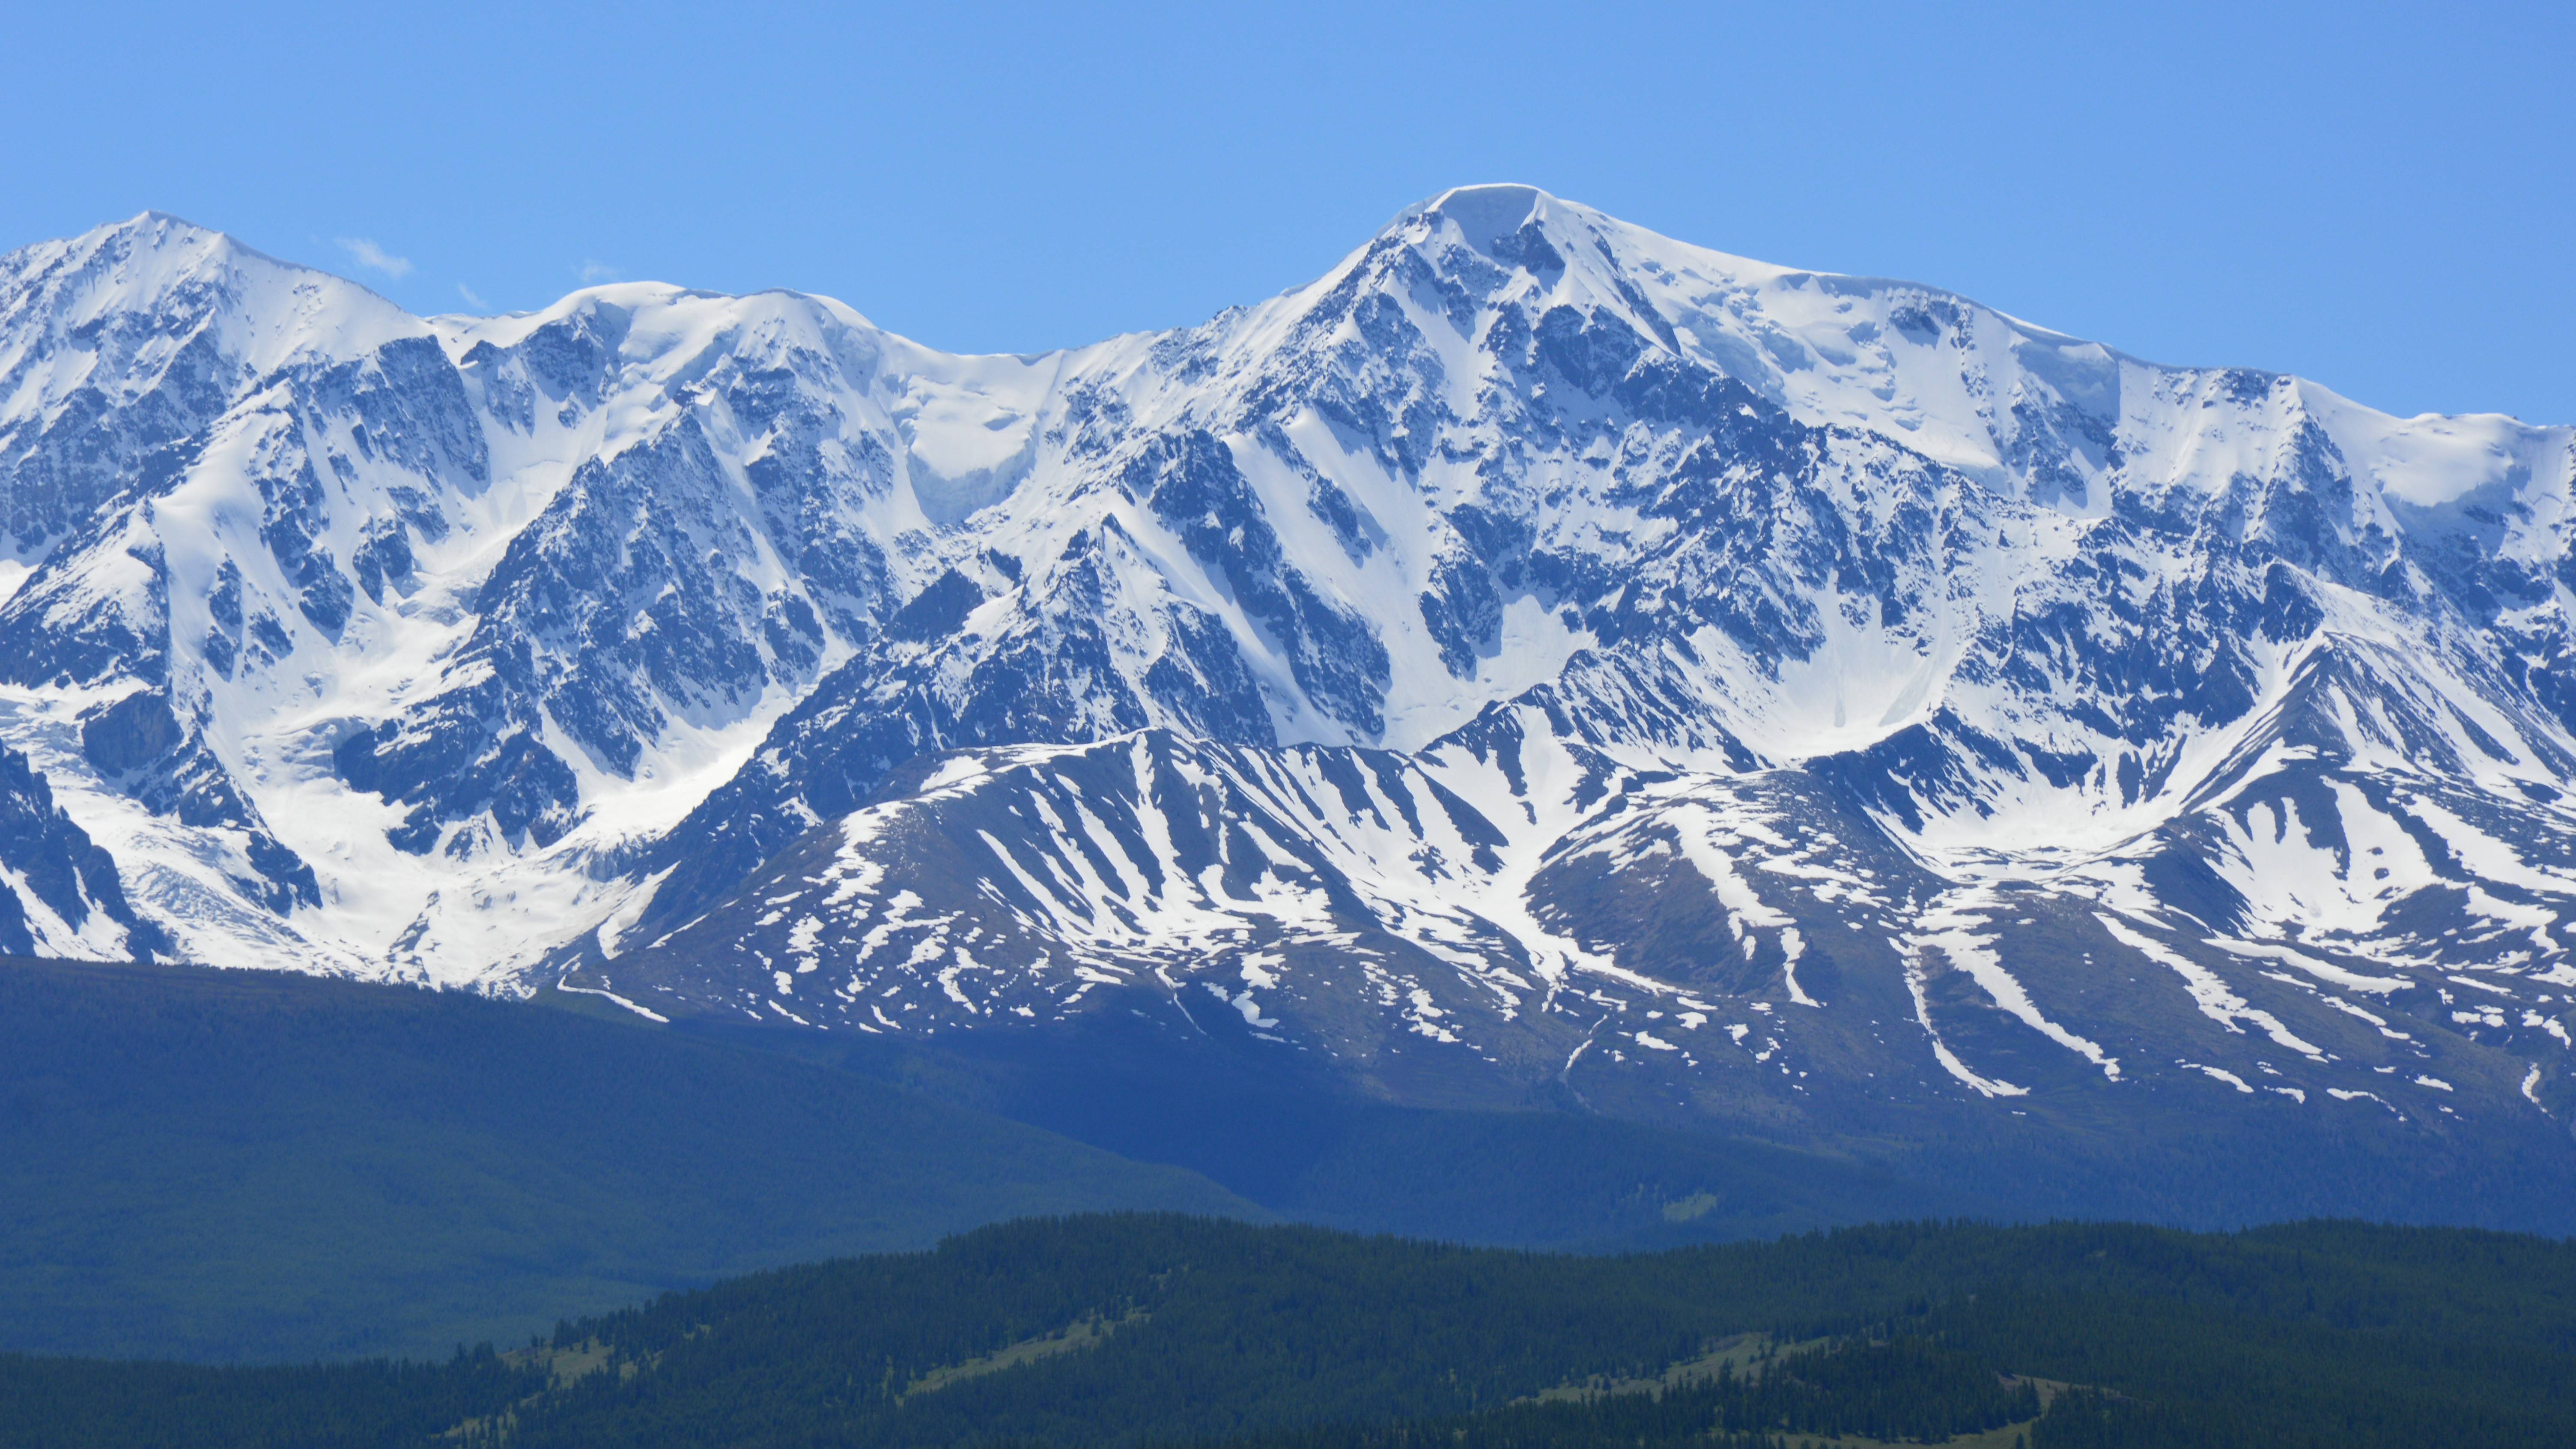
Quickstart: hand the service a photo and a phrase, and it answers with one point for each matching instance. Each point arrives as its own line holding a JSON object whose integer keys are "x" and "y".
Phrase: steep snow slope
{"x": 1900, "y": 667}
{"x": 425, "y": 620}
{"x": 1537, "y": 650}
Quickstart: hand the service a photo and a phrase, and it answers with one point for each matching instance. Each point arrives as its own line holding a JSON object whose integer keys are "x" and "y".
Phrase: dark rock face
{"x": 59, "y": 869}
{"x": 1193, "y": 487}
{"x": 147, "y": 382}
{"x": 923, "y": 687}
{"x": 641, "y": 596}
{"x": 131, "y": 733}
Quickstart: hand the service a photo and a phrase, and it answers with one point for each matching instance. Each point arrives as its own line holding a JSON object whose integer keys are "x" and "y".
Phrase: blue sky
{"x": 2379, "y": 197}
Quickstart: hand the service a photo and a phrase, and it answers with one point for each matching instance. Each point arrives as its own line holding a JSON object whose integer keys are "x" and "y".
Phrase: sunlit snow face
{"x": 1747, "y": 641}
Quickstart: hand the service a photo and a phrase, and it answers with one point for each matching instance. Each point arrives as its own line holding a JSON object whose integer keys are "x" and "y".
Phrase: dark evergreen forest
{"x": 1164, "y": 1330}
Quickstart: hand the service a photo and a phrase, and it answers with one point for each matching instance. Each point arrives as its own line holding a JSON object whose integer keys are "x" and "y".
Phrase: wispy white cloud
{"x": 594, "y": 272}
{"x": 471, "y": 300}
{"x": 375, "y": 258}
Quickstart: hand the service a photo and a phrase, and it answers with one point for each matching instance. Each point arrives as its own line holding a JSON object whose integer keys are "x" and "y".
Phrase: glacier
{"x": 1539, "y": 660}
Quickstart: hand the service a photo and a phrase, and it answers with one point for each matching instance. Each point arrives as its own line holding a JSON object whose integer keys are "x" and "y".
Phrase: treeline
{"x": 75, "y": 1403}
{"x": 1297, "y": 1338}
{"x": 1903, "y": 1389}
{"x": 2192, "y": 1374}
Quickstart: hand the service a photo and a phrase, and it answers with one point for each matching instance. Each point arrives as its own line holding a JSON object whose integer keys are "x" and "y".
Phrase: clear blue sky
{"x": 2380, "y": 197}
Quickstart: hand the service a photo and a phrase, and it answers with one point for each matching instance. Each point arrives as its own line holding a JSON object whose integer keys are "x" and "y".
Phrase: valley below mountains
{"x": 1539, "y": 667}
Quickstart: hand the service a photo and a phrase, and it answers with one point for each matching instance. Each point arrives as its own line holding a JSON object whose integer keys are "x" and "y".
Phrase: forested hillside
{"x": 224, "y": 1166}
{"x": 1151, "y": 1329}
{"x": 252, "y": 1165}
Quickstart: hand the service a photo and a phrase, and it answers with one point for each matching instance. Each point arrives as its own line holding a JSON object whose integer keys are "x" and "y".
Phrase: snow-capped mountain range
{"x": 1537, "y": 653}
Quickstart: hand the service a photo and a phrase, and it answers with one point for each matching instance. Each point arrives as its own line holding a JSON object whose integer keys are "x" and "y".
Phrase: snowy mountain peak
{"x": 158, "y": 265}
{"x": 1534, "y": 636}
{"x": 1486, "y": 212}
